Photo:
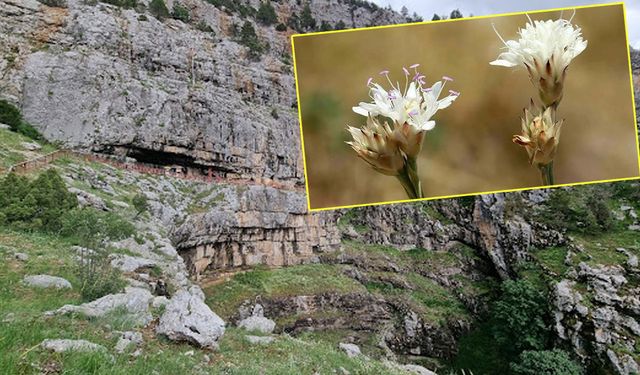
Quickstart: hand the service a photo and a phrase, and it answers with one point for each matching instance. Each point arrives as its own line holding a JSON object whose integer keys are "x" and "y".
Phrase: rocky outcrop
{"x": 487, "y": 223}
{"x": 256, "y": 225}
{"x": 600, "y": 323}
{"x": 111, "y": 80}
{"x": 188, "y": 318}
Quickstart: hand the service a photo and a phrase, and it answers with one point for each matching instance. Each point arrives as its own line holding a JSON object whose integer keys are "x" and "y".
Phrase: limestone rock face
{"x": 480, "y": 222}
{"x": 256, "y": 225}
{"x": 188, "y": 318}
{"x": 593, "y": 332}
{"x": 113, "y": 81}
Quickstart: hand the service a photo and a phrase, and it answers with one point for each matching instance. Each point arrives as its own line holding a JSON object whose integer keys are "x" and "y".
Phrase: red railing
{"x": 211, "y": 175}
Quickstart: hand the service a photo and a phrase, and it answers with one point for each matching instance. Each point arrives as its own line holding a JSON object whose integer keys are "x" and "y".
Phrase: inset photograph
{"x": 450, "y": 108}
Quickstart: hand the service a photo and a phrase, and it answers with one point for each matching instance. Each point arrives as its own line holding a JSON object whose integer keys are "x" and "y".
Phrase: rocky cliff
{"x": 121, "y": 81}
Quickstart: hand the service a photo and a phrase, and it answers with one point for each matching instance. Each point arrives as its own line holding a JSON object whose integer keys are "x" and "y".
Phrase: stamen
{"x": 369, "y": 81}
{"x": 455, "y": 93}
{"x": 447, "y": 78}
{"x": 497, "y": 33}
{"x": 414, "y": 66}
{"x": 573, "y": 15}
{"x": 406, "y": 72}
{"x": 384, "y": 73}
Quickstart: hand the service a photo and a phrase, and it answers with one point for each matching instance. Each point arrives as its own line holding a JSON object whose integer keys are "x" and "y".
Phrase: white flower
{"x": 411, "y": 109}
{"x": 545, "y": 49}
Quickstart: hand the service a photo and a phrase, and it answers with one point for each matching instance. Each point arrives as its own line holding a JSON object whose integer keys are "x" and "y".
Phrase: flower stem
{"x": 546, "y": 172}
{"x": 409, "y": 179}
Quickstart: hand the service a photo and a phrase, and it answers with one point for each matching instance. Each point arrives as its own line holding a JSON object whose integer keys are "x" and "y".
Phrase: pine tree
{"x": 307, "y": 21}
{"x": 266, "y": 13}
{"x": 158, "y": 9}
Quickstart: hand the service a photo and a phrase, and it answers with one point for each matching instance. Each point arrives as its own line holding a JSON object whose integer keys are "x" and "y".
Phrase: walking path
{"x": 175, "y": 171}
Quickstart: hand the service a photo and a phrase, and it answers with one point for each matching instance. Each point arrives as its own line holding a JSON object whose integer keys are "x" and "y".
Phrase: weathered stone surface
{"x": 188, "y": 318}
{"x": 128, "y": 339}
{"x": 89, "y": 200}
{"x": 256, "y": 225}
{"x": 352, "y": 350}
{"x": 134, "y": 300}
{"x": 257, "y": 322}
{"x": 46, "y": 281}
{"x": 21, "y": 257}
{"x": 126, "y": 263}
{"x": 63, "y": 345}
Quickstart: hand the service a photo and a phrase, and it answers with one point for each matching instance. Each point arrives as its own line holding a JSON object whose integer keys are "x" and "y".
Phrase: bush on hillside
{"x": 520, "y": 317}
{"x": 35, "y": 205}
{"x": 158, "y": 9}
{"x": 266, "y": 13}
{"x": 180, "y": 12}
{"x": 11, "y": 116}
{"x": 546, "y": 362}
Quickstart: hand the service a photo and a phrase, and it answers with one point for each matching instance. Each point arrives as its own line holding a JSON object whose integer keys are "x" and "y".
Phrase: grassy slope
{"x": 26, "y": 326}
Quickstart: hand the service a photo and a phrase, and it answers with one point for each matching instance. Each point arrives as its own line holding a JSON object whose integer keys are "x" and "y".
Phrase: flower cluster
{"x": 392, "y": 150}
{"x": 545, "y": 49}
{"x": 410, "y": 109}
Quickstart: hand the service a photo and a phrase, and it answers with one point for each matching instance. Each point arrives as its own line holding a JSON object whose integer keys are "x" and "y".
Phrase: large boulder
{"x": 134, "y": 300}
{"x": 188, "y": 318}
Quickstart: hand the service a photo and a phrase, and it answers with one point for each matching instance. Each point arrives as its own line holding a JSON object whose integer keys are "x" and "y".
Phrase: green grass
{"x": 12, "y": 151}
{"x": 553, "y": 259}
{"x": 606, "y": 253}
{"x": 225, "y": 298}
{"x": 287, "y": 355}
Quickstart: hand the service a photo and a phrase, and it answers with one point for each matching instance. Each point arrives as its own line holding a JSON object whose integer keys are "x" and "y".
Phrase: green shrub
{"x": 10, "y": 115}
{"x": 204, "y": 27}
{"x": 293, "y": 22}
{"x": 180, "y": 12}
{"x": 249, "y": 38}
{"x": 281, "y": 27}
{"x": 340, "y": 25}
{"x": 92, "y": 228}
{"x": 158, "y": 9}
{"x": 519, "y": 317}
{"x": 122, "y": 3}
{"x": 54, "y": 3}
{"x": 307, "y": 22}
{"x": 266, "y": 14}
{"x": 35, "y": 205}
{"x": 140, "y": 203}
{"x": 546, "y": 362}
{"x": 325, "y": 26}
{"x": 582, "y": 209}
{"x": 234, "y": 6}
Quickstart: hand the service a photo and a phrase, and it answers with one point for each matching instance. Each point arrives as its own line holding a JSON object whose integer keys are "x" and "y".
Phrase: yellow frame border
{"x": 304, "y": 158}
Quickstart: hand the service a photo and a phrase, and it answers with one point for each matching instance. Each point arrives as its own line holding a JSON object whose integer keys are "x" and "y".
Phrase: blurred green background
{"x": 470, "y": 150}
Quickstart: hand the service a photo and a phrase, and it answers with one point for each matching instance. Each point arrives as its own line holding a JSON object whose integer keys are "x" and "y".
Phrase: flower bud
{"x": 540, "y": 136}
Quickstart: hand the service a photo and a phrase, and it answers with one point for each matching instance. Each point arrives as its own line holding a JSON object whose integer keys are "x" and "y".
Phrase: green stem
{"x": 546, "y": 172}
{"x": 409, "y": 179}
